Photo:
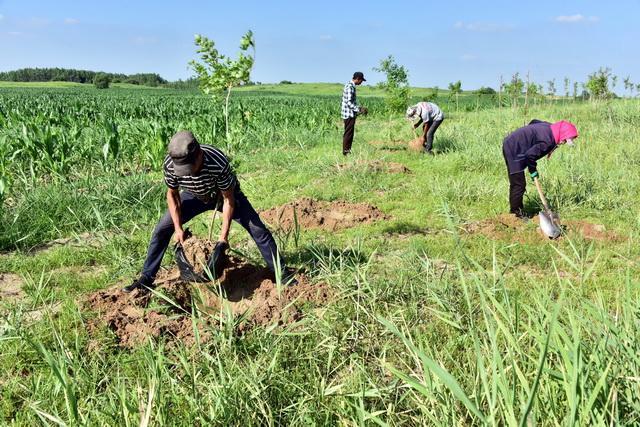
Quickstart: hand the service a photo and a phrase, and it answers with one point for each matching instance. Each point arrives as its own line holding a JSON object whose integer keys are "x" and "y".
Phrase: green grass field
{"x": 440, "y": 314}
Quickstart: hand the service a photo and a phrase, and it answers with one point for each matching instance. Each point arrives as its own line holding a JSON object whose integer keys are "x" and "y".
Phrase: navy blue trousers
{"x": 244, "y": 214}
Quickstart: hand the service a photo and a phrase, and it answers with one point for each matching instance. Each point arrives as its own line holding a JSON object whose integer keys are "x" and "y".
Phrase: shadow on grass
{"x": 328, "y": 257}
{"x": 445, "y": 145}
{"x": 405, "y": 229}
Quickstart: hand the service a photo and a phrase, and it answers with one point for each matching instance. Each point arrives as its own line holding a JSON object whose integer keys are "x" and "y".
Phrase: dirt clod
{"x": 197, "y": 252}
{"x": 310, "y": 213}
{"x": 245, "y": 292}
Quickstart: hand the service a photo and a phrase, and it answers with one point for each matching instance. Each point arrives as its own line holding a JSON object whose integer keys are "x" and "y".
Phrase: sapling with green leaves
{"x": 397, "y": 84}
{"x": 218, "y": 74}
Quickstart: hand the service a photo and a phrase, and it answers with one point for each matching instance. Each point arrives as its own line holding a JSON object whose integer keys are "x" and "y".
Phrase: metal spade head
{"x": 548, "y": 225}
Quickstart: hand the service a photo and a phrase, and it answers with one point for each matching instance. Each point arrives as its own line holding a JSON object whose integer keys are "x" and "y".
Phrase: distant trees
{"x": 101, "y": 81}
{"x": 514, "y": 89}
{"x": 485, "y": 91}
{"x": 396, "y": 85}
{"x": 77, "y": 76}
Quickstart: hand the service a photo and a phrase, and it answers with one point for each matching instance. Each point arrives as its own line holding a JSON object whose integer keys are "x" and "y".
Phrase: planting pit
{"x": 246, "y": 294}
{"x": 509, "y": 227}
{"x": 415, "y": 145}
{"x": 377, "y": 166}
{"x": 331, "y": 216}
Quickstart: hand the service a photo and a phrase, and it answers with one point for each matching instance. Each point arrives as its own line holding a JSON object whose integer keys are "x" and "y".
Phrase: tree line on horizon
{"x": 79, "y": 76}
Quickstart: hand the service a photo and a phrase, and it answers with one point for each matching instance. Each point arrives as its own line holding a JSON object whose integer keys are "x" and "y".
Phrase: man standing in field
{"x": 204, "y": 174}
{"x": 431, "y": 117}
{"x": 350, "y": 110}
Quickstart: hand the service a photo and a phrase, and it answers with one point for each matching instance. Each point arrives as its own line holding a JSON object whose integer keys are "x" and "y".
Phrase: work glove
{"x": 535, "y": 175}
{"x": 364, "y": 111}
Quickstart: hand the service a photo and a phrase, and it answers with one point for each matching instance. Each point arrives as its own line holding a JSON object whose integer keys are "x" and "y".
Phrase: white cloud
{"x": 573, "y": 19}
{"x": 71, "y": 21}
{"x": 1, "y": 17}
{"x": 326, "y": 37}
{"x": 15, "y": 33}
{"x": 483, "y": 27}
{"x": 468, "y": 57}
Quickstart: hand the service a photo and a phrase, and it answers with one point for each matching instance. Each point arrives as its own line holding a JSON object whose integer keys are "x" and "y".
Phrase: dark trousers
{"x": 243, "y": 214}
{"x": 431, "y": 131}
{"x": 349, "y": 130}
{"x": 517, "y": 186}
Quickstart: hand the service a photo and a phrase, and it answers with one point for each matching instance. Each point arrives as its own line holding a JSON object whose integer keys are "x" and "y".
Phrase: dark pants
{"x": 243, "y": 214}
{"x": 349, "y": 130}
{"x": 432, "y": 127}
{"x": 517, "y": 186}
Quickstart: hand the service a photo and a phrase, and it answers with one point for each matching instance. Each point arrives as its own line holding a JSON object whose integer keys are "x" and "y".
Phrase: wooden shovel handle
{"x": 542, "y": 198}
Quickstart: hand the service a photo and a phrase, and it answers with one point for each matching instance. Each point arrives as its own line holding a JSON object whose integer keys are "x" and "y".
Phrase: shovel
{"x": 548, "y": 219}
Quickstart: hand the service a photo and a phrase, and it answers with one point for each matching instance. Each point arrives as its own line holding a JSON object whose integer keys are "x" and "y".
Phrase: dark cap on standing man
{"x": 183, "y": 150}
{"x": 359, "y": 75}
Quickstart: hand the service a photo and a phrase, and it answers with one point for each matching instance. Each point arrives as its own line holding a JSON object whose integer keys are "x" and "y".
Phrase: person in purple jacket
{"x": 524, "y": 147}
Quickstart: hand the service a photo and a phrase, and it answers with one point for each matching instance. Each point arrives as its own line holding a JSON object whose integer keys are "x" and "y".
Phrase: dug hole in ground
{"x": 245, "y": 294}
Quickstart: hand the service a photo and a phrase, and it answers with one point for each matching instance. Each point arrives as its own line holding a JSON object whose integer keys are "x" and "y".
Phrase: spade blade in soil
{"x": 548, "y": 225}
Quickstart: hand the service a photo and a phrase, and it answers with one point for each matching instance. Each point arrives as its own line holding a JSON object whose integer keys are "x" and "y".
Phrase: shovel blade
{"x": 548, "y": 225}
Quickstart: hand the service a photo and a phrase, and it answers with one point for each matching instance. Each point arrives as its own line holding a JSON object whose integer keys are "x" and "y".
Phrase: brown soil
{"x": 415, "y": 145}
{"x": 377, "y": 166}
{"x": 331, "y": 216}
{"x": 245, "y": 291}
{"x": 198, "y": 252}
{"x": 10, "y": 287}
{"x": 509, "y": 227}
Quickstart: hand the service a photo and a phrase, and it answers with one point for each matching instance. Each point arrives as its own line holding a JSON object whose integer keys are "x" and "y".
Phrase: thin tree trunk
{"x": 226, "y": 112}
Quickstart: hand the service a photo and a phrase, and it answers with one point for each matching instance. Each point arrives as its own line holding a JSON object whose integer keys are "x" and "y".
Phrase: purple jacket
{"x": 525, "y": 146}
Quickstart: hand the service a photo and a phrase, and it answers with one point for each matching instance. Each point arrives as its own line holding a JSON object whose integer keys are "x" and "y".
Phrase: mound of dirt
{"x": 10, "y": 287}
{"x": 377, "y": 166}
{"x": 247, "y": 292}
{"x": 415, "y": 145}
{"x": 310, "y": 213}
{"x": 509, "y": 227}
{"x": 197, "y": 252}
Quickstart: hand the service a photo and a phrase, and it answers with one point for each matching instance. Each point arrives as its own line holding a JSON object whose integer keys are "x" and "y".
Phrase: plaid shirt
{"x": 349, "y": 107}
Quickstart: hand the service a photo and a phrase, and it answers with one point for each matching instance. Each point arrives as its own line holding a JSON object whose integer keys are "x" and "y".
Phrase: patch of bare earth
{"x": 11, "y": 287}
{"x": 415, "y": 145}
{"x": 509, "y": 227}
{"x": 246, "y": 292}
{"x": 310, "y": 213}
{"x": 376, "y": 166}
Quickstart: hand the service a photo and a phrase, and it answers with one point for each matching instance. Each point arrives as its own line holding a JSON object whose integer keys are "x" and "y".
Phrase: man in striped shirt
{"x": 350, "y": 109}
{"x": 205, "y": 176}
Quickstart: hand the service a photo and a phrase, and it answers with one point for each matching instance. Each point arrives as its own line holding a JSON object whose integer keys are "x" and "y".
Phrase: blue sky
{"x": 438, "y": 41}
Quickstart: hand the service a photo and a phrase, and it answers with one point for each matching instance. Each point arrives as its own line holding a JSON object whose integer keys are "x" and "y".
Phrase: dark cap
{"x": 359, "y": 75}
{"x": 183, "y": 150}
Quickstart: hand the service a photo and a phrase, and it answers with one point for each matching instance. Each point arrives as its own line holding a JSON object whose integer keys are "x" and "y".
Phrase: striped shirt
{"x": 216, "y": 175}
{"x": 349, "y": 107}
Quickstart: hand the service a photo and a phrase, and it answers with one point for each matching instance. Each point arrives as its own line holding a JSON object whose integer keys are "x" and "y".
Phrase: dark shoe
{"x": 142, "y": 284}
{"x": 344, "y": 153}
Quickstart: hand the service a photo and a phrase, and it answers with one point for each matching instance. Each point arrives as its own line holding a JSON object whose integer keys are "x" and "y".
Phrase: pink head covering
{"x": 563, "y": 130}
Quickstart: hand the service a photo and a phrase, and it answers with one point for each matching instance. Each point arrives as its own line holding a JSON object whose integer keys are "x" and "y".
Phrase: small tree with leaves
{"x": 551, "y": 88}
{"x": 396, "y": 85}
{"x": 598, "y": 84}
{"x": 628, "y": 85}
{"x": 514, "y": 89}
{"x": 455, "y": 89}
{"x": 218, "y": 74}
